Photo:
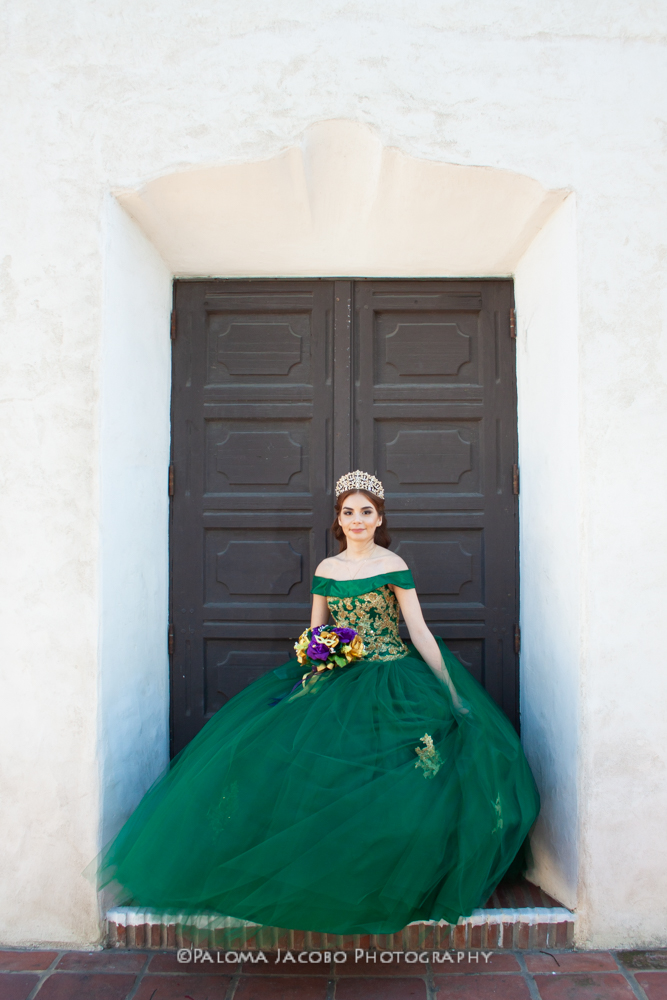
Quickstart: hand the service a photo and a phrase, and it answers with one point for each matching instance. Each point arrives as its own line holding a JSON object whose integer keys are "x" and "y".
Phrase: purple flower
{"x": 344, "y": 634}
{"x": 317, "y": 650}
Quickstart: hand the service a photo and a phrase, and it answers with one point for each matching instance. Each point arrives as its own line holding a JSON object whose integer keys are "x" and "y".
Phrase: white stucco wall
{"x": 135, "y": 385}
{"x": 111, "y": 96}
{"x": 550, "y": 542}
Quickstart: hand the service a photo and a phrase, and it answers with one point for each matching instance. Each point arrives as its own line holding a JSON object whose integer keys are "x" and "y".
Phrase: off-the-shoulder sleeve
{"x": 354, "y": 588}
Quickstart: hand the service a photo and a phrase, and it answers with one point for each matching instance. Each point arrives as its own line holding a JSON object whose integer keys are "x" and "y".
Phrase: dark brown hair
{"x": 381, "y": 537}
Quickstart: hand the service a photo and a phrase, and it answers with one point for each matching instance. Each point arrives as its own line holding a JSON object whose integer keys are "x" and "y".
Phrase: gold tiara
{"x": 360, "y": 481}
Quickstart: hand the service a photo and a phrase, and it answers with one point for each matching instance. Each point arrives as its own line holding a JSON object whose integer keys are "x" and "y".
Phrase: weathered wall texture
{"x": 108, "y": 96}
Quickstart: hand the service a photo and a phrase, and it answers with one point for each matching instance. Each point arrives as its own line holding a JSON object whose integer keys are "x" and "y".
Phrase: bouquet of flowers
{"x": 326, "y": 647}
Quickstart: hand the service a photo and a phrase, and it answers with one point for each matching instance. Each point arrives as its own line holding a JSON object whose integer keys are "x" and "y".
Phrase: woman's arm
{"x": 320, "y": 611}
{"x": 423, "y": 640}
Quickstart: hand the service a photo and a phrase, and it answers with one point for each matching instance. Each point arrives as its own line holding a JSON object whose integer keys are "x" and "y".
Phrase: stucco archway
{"x": 340, "y": 203}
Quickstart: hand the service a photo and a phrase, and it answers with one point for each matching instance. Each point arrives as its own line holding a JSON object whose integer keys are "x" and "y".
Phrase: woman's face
{"x": 359, "y": 518}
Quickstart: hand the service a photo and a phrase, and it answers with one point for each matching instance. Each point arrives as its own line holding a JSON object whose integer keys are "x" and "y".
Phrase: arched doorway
{"x": 341, "y": 203}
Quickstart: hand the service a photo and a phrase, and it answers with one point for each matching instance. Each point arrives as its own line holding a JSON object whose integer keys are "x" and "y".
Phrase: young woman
{"x": 357, "y": 799}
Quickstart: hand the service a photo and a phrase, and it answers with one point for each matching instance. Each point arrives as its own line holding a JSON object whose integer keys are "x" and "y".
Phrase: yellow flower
{"x": 329, "y": 639}
{"x": 302, "y": 642}
{"x": 355, "y": 650}
{"x": 301, "y": 656}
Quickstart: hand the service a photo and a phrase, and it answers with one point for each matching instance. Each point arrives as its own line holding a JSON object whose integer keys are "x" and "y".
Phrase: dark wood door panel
{"x": 447, "y": 564}
{"x": 261, "y": 337}
{"x": 432, "y": 346}
{"x": 242, "y": 454}
{"x": 416, "y": 455}
{"x": 256, "y": 565}
{"x": 435, "y": 419}
{"x": 279, "y": 387}
{"x": 252, "y": 408}
{"x": 232, "y": 664}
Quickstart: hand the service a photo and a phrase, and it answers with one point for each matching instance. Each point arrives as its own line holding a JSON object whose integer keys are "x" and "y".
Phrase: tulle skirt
{"x": 316, "y": 812}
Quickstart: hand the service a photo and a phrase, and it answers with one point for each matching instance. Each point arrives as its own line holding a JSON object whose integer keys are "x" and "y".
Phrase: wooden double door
{"x": 280, "y": 387}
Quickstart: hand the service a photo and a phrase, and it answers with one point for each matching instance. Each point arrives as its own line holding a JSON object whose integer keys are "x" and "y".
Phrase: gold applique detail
{"x": 375, "y": 617}
{"x": 429, "y": 758}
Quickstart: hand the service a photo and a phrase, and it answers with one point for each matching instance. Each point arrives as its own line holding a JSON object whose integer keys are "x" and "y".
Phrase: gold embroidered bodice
{"x": 375, "y": 617}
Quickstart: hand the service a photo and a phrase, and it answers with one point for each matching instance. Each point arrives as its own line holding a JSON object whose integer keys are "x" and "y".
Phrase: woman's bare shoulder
{"x": 392, "y": 563}
{"x": 333, "y": 568}
{"x": 327, "y": 568}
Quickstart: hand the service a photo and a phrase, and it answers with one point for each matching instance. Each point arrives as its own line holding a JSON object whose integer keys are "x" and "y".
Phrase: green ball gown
{"x": 310, "y": 807}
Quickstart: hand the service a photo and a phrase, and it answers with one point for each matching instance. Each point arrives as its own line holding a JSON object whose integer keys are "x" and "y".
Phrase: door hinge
{"x": 170, "y": 641}
{"x": 517, "y": 639}
{"x": 515, "y": 480}
{"x": 512, "y": 324}
{"x": 173, "y": 324}
{"x": 171, "y": 480}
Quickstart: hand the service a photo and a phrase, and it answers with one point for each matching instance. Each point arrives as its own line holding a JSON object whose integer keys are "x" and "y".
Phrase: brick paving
{"x": 154, "y": 975}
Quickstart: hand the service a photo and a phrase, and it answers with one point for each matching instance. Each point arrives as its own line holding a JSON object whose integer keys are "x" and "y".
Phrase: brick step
{"x": 518, "y": 928}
